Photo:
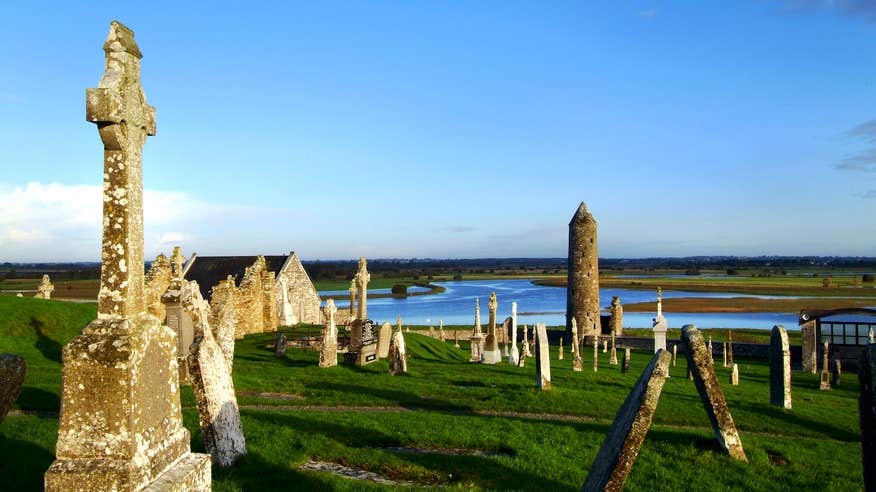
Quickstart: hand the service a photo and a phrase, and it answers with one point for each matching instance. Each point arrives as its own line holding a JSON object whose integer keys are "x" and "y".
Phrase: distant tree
{"x": 868, "y": 278}
{"x": 457, "y": 277}
{"x": 732, "y": 271}
{"x": 400, "y": 290}
{"x": 826, "y": 283}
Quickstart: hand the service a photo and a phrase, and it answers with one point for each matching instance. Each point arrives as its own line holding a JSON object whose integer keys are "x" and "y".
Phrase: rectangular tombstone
{"x": 618, "y": 452}
{"x": 542, "y": 357}
{"x": 384, "y": 336}
{"x": 660, "y": 326}
{"x": 809, "y": 343}
{"x": 867, "y": 414}
{"x": 780, "y": 368}
{"x": 700, "y": 365}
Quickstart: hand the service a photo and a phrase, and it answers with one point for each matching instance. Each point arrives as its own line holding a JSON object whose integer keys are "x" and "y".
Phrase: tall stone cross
{"x": 177, "y": 260}
{"x": 124, "y": 120}
{"x": 493, "y": 306}
{"x": 477, "y": 327}
{"x": 361, "y": 280}
{"x": 659, "y": 301}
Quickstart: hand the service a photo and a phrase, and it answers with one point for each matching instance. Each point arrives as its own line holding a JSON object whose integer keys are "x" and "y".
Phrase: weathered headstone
{"x": 328, "y": 351}
{"x": 734, "y": 374}
{"x": 709, "y": 388}
{"x": 616, "y": 322}
{"x": 625, "y": 368}
{"x": 730, "y": 347}
{"x": 837, "y": 373}
{"x": 361, "y": 280}
{"x": 441, "y": 335}
{"x": 619, "y": 451}
{"x": 577, "y": 361}
{"x": 725, "y": 354}
{"x": 180, "y": 321}
{"x": 384, "y": 337}
{"x": 44, "y": 291}
{"x": 398, "y": 357}
{"x": 867, "y": 414}
{"x": 120, "y": 425}
{"x": 280, "y": 346}
{"x": 212, "y": 385}
{"x": 542, "y": 358}
{"x": 825, "y": 371}
{"x": 595, "y": 354}
{"x": 560, "y": 353}
{"x": 491, "y": 353}
{"x": 506, "y": 328}
{"x": 225, "y": 320}
{"x": 514, "y": 355}
{"x": 12, "y": 370}
{"x": 780, "y": 368}
{"x": 674, "y": 354}
{"x": 659, "y": 325}
{"x": 477, "y": 337}
{"x": 613, "y": 360}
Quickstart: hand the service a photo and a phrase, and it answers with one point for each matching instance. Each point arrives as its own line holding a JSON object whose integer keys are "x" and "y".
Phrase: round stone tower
{"x": 582, "y": 296}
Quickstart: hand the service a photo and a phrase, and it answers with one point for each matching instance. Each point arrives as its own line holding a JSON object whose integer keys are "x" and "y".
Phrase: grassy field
{"x": 534, "y": 440}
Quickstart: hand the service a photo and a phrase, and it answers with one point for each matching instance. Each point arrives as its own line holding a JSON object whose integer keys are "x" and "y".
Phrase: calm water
{"x": 548, "y": 304}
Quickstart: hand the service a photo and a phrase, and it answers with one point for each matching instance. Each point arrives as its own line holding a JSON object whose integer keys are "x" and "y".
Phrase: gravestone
{"x": 837, "y": 373}
{"x": 398, "y": 358}
{"x": 120, "y": 426}
{"x": 328, "y": 351}
{"x": 456, "y": 338}
{"x": 674, "y": 354}
{"x": 12, "y": 370}
{"x": 659, "y": 325}
{"x": 613, "y": 360}
{"x": 280, "y": 346}
{"x": 491, "y": 353}
{"x": 218, "y": 413}
{"x": 577, "y": 361}
{"x": 44, "y": 291}
{"x": 734, "y": 375}
{"x": 624, "y": 439}
{"x": 506, "y": 328}
{"x": 514, "y": 354}
{"x": 441, "y": 335}
{"x": 616, "y": 321}
{"x": 700, "y": 365}
{"x": 730, "y": 347}
{"x": 595, "y": 354}
{"x": 477, "y": 337}
{"x": 225, "y": 320}
{"x": 363, "y": 343}
{"x": 780, "y": 368}
{"x": 725, "y": 354}
{"x": 560, "y": 353}
{"x": 179, "y": 320}
{"x": 625, "y": 368}
{"x": 867, "y": 414}
{"x": 384, "y": 337}
{"x": 542, "y": 358}
{"x": 825, "y": 371}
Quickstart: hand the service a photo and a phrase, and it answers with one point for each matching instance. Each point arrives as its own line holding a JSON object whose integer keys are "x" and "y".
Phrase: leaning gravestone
{"x": 867, "y": 414}
{"x": 280, "y": 346}
{"x": 121, "y": 424}
{"x": 398, "y": 357}
{"x": 621, "y": 447}
{"x": 384, "y": 335}
{"x": 703, "y": 372}
{"x": 780, "y": 368}
{"x": 218, "y": 412}
{"x": 12, "y": 369}
{"x": 625, "y": 368}
{"x": 542, "y": 357}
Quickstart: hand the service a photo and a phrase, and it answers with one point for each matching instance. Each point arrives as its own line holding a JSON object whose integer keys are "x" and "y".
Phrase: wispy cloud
{"x": 649, "y": 13}
{"x": 51, "y": 221}
{"x": 865, "y": 9}
{"x": 864, "y": 160}
{"x": 459, "y": 228}
{"x": 12, "y": 98}
{"x": 869, "y": 195}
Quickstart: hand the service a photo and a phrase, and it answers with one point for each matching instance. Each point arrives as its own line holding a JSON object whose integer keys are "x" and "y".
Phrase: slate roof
{"x": 208, "y": 271}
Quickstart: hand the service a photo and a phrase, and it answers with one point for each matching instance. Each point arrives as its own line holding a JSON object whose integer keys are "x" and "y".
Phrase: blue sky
{"x": 453, "y": 129}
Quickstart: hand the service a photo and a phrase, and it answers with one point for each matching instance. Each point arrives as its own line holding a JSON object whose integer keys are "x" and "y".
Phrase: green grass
{"x": 446, "y": 402}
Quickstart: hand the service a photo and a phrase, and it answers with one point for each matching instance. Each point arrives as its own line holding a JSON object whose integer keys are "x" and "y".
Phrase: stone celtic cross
{"x": 124, "y": 120}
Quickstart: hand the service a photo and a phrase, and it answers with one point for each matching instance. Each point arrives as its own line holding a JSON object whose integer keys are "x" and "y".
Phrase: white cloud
{"x": 59, "y": 222}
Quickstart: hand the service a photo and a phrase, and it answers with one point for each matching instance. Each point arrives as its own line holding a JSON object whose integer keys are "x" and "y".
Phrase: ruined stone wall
{"x": 270, "y": 317}
{"x": 303, "y": 296}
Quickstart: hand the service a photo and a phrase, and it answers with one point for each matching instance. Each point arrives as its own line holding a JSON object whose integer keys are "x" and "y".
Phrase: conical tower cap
{"x": 582, "y": 215}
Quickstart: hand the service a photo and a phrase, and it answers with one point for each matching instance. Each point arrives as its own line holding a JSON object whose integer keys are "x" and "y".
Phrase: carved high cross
{"x": 118, "y": 108}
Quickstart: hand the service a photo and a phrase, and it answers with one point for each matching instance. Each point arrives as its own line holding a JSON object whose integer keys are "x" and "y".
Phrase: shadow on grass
{"x": 253, "y": 472}
{"x": 22, "y": 464}
{"x": 49, "y": 348}
{"x": 395, "y": 397}
{"x": 38, "y": 399}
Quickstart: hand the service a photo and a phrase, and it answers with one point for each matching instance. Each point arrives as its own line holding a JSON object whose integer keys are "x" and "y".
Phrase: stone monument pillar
{"x": 660, "y": 326}
{"x": 121, "y": 423}
{"x": 780, "y": 368}
{"x": 617, "y": 316}
{"x": 492, "y": 354}
{"x": 542, "y": 358}
{"x": 577, "y": 361}
{"x": 514, "y": 355}
{"x": 825, "y": 370}
{"x": 362, "y": 278}
{"x": 582, "y": 297}
{"x": 328, "y": 352}
{"x": 477, "y": 337}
